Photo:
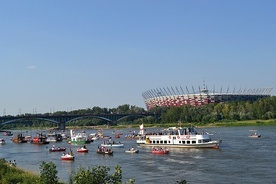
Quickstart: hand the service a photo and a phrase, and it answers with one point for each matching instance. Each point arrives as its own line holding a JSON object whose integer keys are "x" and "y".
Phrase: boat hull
{"x": 105, "y": 152}
{"x": 160, "y": 152}
{"x": 57, "y": 149}
{"x": 39, "y": 143}
{"x": 19, "y": 141}
{"x": 82, "y": 150}
{"x": 67, "y": 158}
{"x": 212, "y": 144}
{"x": 132, "y": 151}
{"x": 79, "y": 142}
{"x": 113, "y": 145}
{"x": 254, "y": 136}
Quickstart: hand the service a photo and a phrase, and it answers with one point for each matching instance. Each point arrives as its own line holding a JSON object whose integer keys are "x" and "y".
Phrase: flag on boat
{"x": 141, "y": 129}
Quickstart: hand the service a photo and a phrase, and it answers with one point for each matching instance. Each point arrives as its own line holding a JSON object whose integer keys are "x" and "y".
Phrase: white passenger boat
{"x": 180, "y": 138}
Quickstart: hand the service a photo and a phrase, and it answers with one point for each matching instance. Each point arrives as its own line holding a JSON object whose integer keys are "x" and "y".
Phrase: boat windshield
{"x": 187, "y": 131}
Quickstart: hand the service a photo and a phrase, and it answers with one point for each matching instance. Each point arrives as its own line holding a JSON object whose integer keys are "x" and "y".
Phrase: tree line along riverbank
{"x": 235, "y": 113}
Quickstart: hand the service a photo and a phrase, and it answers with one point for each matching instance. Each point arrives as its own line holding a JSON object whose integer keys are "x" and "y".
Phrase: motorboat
{"x": 254, "y": 135}
{"x": 160, "y": 151}
{"x": 93, "y": 136}
{"x": 104, "y": 151}
{"x": 132, "y": 150}
{"x": 117, "y": 136}
{"x": 186, "y": 137}
{"x": 58, "y": 149}
{"x": 82, "y": 149}
{"x": 112, "y": 144}
{"x": 2, "y": 141}
{"x": 8, "y": 133}
{"x": 67, "y": 156}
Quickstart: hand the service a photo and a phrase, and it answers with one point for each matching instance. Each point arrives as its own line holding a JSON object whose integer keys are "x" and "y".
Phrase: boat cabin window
{"x": 161, "y": 142}
{"x": 206, "y": 140}
{"x": 188, "y": 142}
{"x": 165, "y": 142}
{"x": 193, "y": 142}
{"x": 183, "y": 142}
{"x": 157, "y": 142}
{"x": 199, "y": 141}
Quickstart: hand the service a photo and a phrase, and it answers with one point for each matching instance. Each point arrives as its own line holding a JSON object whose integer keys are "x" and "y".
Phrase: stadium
{"x": 170, "y": 97}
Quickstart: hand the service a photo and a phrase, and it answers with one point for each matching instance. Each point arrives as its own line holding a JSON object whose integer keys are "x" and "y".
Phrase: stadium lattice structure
{"x": 168, "y": 97}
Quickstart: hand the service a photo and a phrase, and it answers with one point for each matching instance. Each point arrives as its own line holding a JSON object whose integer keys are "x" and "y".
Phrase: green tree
{"x": 99, "y": 174}
{"x": 48, "y": 173}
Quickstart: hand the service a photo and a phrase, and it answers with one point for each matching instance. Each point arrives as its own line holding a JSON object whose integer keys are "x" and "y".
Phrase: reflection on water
{"x": 239, "y": 160}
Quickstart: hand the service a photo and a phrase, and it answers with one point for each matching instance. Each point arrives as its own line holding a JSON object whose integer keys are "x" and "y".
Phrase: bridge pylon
{"x": 61, "y": 126}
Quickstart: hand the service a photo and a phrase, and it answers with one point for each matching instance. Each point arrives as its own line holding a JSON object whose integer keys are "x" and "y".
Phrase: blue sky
{"x": 60, "y": 55}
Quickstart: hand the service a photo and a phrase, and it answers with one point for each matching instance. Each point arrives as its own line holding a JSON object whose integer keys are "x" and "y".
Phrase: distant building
{"x": 169, "y": 97}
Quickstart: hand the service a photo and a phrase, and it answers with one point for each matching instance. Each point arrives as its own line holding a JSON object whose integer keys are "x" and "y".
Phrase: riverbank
{"x": 199, "y": 125}
{"x": 11, "y": 174}
{"x": 216, "y": 124}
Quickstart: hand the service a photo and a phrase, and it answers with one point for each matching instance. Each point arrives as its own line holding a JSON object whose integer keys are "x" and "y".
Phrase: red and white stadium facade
{"x": 170, "y": 97}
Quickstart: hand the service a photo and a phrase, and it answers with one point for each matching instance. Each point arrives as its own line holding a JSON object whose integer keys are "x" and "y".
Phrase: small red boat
{"x": 67, "y": 156}
{"x": 160, "y": 151}
{"x": 82, "y": 150}
{"x": 117, "y": 136}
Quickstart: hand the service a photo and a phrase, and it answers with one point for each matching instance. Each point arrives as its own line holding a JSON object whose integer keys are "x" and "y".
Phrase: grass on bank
{"x": 10, "y": 174}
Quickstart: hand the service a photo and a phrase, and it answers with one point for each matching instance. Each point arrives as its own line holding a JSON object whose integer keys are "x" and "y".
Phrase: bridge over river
{"x": 61, "y": 120}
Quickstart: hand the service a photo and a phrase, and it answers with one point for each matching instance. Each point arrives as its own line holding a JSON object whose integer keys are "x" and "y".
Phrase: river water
{"x": 240, "y": 159}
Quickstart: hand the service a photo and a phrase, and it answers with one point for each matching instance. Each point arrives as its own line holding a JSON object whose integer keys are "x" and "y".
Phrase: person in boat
{"x": 14, "y": 163}
{"x": 53, "y": 147}
{"x": 84, "y": 147}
